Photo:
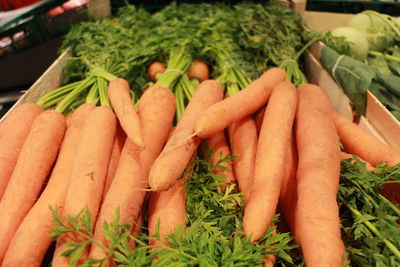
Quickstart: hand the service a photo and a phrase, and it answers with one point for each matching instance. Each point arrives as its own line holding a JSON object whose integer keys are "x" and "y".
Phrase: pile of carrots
{"x": 106, "y": 158}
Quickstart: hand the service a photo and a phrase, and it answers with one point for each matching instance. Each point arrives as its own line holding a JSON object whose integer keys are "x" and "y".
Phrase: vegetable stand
{"x": 212, "y": 221}
{"x": 376, "y": 114}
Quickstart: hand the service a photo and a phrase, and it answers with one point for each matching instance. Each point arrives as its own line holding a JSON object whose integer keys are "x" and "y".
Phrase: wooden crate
{"x": 319, "y": 21}
{"x": 386, "y": 125}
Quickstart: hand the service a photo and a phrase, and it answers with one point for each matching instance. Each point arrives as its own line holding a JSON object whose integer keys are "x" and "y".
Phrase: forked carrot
{"x": 243, "y": 138}
{"x": 317, "y": 212}
{"x": 13, "y": 132}
{"x": 34, "y": 164}
{"x": 120, "y": 99}
{"x": 34, "y": 231}
{"x": 156, "y": 111}
{"x": 172, "y": 161}
{"x": 269, "y": 167}
{"x": 88, "y": 173}
{"x": 221, "y": 150}
{"x": 243, "y": 103}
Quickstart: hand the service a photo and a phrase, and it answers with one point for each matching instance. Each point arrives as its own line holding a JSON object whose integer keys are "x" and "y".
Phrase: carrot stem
{"x": 53, "y": 97}
{"x": 178, "y": 63}
{"x": 102, "y": 88}
{"x": 104, "y": 74}
{"x": 385, "y": 56}
{"x": 93, "y": 95}
{"x": 390, "y": 204}
{"x": 70, "y": 98}
{"x": 76, "y": 104}
{"x": 373, "y": 229}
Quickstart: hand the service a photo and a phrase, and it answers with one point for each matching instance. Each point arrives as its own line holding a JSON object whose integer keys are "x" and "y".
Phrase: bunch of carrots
{"x": 127, "y": 158}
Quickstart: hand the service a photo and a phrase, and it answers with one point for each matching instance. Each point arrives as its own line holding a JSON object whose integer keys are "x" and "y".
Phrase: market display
{"x": 371, "y": 63}
{"x": 191, "y": 137}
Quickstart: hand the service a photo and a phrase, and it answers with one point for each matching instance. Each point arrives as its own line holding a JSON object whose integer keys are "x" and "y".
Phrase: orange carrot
{"x": 155, "y": 68}
{"x": 363, "y": 144}
{"x": 13, "y": 132}
{"x": 243, "y": 103}
{"x": 259, "y": 117}
{"x": 88, "y": 173}
{"x": 166, "y": 212}
{"x": 119, "y": 142}
{"x": 359, "y": 142}
{"x": 118, "y": 92}
{"x": 220, "y": 151}
{"x": 269, "y": 167}
{"x": 34, "y": 164}
{"x": 156, "y": 111}
{"x": 172, "y": 161}
{"x": 243, "y": 139}
{"x": 199, "y": 70}
{"x": 345, "y": 155}
{"x": 137, "y": 227}
{"x": 34, "y": 231}
{"x": 288, "y": 194}
{"x": 270, "y": 259}
{"x": 317, "y": 212}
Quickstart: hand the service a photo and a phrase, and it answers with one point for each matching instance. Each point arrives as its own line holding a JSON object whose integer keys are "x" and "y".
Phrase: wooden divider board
{"x": 379, "y": 117}
{"x": 341, "y": 103}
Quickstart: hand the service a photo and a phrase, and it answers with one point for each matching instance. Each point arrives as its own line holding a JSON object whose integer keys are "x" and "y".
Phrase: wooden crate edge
{"x": 47, "y": 82}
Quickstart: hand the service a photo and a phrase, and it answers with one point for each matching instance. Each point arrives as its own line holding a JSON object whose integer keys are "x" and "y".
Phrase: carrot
{"x": 155, "y": 68}
{"x": 288, "y": 194}
{"x": 270, "y": 259}
{"x": 34, "y": 164}
{"x": 166, "y": 212}
{"x": 88, "y": 173}
{"x": 137, "y": 227}
{"x": 258, "y": 119}
{"x": 166, "y": 209}
{"x": 241, "y": 104}
{"x": 34, "y": 231}
{"x": 269, "y": 166}
{"x": 220, "y": 151}
{"x": 119, "y": 142}
{"x": 317, "y": 212}
{"x": 172, "y": 161}
{"x": 156, "y": 111}
{"x": 361, "y": 143}
{"x": 345, "y": 155}
{"x": 243, "y": 139}
{"x": 118, "y": 92}
{"x": 13, "y": 132}
{"x": 199, "y": 70}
